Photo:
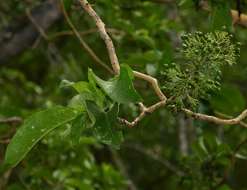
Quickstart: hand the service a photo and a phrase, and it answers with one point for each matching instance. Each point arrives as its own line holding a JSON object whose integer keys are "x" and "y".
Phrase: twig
{"x": 112, "y": 53}
{"x": 115, "y": 65}
{"x": 230, "y": 117}
{"x": 40, "y": 30}
{"x": 102, "y": 31}
{"x": 82, "y": 42}
{"x": 122, "y": 169}
{"x": 82, "y": 33}
{"x": 11, "y": 120}
{"x": 144, "y": 112}
{"x": 4, "y": 141}
{"x": 157, "y": 158}
{"x": 217, "y": 120}
{"x": 5, "y": 178}
{"x": 153, "y": 81}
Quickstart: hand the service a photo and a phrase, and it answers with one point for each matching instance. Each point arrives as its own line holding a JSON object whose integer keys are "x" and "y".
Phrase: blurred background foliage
{"x": 166, "y": 150}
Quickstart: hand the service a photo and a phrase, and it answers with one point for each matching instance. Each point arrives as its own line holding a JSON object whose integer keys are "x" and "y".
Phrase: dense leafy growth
{"x": 199, "y": 70}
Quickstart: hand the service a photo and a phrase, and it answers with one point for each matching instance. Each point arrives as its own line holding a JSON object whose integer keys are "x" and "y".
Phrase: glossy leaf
{"x": 34, "y": 128}
{"x": 120, "y": 89}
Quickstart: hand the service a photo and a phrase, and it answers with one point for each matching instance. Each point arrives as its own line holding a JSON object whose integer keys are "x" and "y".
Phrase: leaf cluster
{"x": 93, "y": 111}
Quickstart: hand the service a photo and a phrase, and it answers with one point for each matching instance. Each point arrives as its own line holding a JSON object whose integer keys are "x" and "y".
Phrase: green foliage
{"x": 220, "y": 15}
{"x": 146, "y": 36}
{"x": 104, "y": 127}
{"x": 206, "y": 165}
{"x": 228, "y": 100}
{"x": 199, "y": 70}
{"x": 120, "y": 89}
{"x": 35, "y": 127}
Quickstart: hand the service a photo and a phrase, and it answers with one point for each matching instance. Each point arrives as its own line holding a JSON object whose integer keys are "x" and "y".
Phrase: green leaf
{"x": 143, "y": 37}
{"x": 220, "y": 15}
{"x": 67, "y": 4}
{"x": 77, "y": 102}
{"x": 78, "y": 125}
{"x": 81, "y": 87}
{"x": 147, "y": 57}
{"x": 89, "y": 91}
{"x": 103, "y": 127}
{"x": 120, "y": 89}
{"x": 229, "y": 100}
{"x": 34, "y": 128}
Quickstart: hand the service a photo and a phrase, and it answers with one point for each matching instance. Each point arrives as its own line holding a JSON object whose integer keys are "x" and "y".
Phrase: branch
{"x": 82, "y": 33}
{"x": 119, "y": 163}
{"x": 102, "y": 31}
{"x": 82, "y": 42}
{"x": 217, "y": 120}
{"x": 144, "y": 111}
{"x": 116, "y": 67}
{"x": 163, "y": 99}
{"x": 153, "y": 81}
{"x": 16, "y": 38}
{"x": 157, "y": 158}
{"x": 11, "y": 120}
{"x": 230, "y": 117}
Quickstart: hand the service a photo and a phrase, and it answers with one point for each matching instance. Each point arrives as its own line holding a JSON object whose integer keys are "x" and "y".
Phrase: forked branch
{"x": 116, "y": 67}
{"x": 153, "y": 81}
{"x": 102, "y": 31}
{"x": 216, "y": 120}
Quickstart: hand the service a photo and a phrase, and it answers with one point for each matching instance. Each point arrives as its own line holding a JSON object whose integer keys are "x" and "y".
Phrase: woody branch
{"x": 153, "y": 81}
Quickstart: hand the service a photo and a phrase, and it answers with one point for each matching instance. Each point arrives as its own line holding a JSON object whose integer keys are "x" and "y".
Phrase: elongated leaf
{"x": 120, "y": 89}
{"x": 33, "y": 129}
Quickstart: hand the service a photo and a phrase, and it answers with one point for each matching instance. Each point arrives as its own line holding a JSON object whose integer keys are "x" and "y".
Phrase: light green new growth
{"x": 198, "y": 71}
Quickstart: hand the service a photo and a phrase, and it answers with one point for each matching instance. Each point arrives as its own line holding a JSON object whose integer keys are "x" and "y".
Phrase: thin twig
{"x": 102, "y": 31}
{"x": 230, "y": 117}
{"x": 112, "y": 53}
{"x": 217, "y": 120}
{"x": 11, "y": 120}
{"x": 118, "y": 161}
{"x": 144, "y": 112}
{"x": 82, "y": 33}
{"x": 40, "y": 30}
{"x": 157, "y": 158}
{"x": 116, "y": 67}
{"x": 153, "y": 81}
{"x": 82, "y": 42}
